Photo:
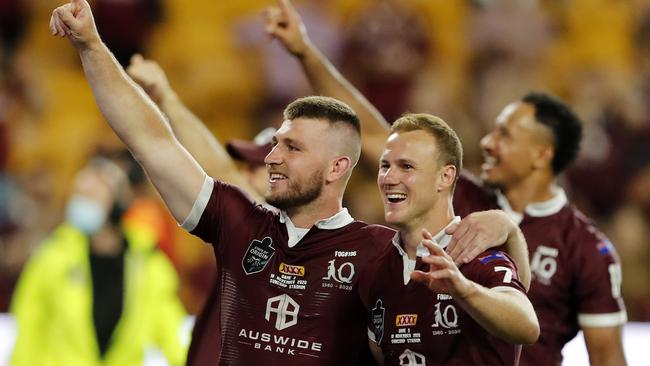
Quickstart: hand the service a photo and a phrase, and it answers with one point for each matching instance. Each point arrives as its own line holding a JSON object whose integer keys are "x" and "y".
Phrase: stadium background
{"x": 462, "y": 60}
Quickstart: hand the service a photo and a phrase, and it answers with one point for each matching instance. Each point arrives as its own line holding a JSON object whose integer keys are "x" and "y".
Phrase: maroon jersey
{"x": 415, "y": 326}
{"x": 576, "y": 272}
{"x": 279, "y": 304}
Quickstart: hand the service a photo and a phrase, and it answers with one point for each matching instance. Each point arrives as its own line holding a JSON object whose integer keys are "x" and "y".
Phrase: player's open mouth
{"x": 274, "y": 177}
{"x": 489, "y": 162}
{"x": 395, "y": 197}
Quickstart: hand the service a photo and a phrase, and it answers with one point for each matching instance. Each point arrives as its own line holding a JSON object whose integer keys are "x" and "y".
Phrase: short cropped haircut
{"x": 563, "y": 122}
{"x": 450, "y": 149}
{"x": 326, "y": 108}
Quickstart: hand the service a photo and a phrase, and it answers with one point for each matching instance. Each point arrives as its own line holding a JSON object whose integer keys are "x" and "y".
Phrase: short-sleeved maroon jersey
{"x": 415, "y": 326}
{"x": 278, "y": 304}
{"x": 576, "y": 272}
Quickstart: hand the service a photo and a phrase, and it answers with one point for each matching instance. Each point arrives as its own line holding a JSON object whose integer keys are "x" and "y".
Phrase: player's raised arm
{"x": 284, "y": 24}
{"x": 507, "y": 314}
{"x": 188, "y": 128}
{"x": 130, "y": 112}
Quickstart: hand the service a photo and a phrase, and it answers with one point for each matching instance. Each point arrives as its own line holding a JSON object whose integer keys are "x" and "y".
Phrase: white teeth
{"x": 395, "y": 197}
{"x": 276, "y": 176}
{"x": 490, "y": 160}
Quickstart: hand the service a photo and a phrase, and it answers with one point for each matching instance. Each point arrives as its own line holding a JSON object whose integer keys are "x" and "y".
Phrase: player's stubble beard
{"x": 298, "y": 194}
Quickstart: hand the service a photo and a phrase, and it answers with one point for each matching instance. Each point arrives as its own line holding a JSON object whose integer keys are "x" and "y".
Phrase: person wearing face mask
{"x": 97, "y": 292}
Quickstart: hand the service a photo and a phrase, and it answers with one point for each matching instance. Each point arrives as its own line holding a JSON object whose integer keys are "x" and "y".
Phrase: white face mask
{"x": 86, "y": 215}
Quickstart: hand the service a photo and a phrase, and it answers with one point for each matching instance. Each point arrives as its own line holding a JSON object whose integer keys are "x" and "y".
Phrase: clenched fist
{"x": 75, "y": 21}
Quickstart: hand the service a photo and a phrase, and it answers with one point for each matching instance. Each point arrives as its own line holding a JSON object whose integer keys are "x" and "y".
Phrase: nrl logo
{"x": 292, "y": 270}
{"x": 258, "y": 255}
{"x": 378, "y": 321}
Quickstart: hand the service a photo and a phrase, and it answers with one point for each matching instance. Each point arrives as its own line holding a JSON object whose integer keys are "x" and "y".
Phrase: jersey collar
{"x": 441, "y": 238}
{"x": 339, "y": 220}
{"x": 535, "y": 209}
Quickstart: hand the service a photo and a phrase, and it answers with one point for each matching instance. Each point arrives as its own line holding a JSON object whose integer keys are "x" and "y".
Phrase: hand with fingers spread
{"x": 284, "y": 23}
{"x": 478, "y": 232}
{"x": 443, "y": 275}
{"x": 151, "y": 77}
{"x": 75, "y": 21}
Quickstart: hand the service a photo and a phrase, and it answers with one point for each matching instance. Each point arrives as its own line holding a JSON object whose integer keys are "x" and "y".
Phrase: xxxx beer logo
{"x": 292, "y": 270}
{"x": 406, "y": 320}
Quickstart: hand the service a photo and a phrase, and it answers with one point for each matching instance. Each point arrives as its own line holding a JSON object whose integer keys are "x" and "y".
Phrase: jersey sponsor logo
{"x": 285, "y": 309}
{"x": 605, "y": 247}
{"x": 378, "y": 313}
{"x": 279, "y": 344}
{"x": 445, "y": 317}
{"x": 258, "y": 255}
{"x": 345, "y": 254}
{"x": 443, "y": 297}
{"x": 410, "y": 358}
{"x": 292, "y": 270}
{"x": 341, "y": 274}
{"x": 615, "y": 279}
{"x": 543, "y": 264}
{"x": 406, "y": 320}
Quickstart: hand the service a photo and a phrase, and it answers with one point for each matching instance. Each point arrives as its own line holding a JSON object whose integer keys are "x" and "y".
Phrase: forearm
{"x": 199, "y": 141}
{"x": 517, "y": 248}
{"x": 605, "y": 345}
{"x": 507, "y": 315}
{"x": 128, "y": 110}
{"x": 327, "y": 80}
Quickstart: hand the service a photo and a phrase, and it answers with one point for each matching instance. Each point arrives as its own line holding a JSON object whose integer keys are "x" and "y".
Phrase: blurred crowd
{"x": 461, "y": 60}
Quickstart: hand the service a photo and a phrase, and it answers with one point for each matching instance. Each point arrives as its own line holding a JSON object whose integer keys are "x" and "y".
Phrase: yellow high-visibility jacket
{"x": 53, "y": 305}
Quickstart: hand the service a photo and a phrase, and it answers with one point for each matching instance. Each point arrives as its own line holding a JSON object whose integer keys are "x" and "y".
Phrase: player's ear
{"x": 340, "y": 166}
{"x": 447, "y": 178}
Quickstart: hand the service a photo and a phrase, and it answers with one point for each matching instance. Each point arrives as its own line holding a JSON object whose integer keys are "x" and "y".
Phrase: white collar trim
{"x": 441, "y": 238}
{"x": 339, "y": 220}
{"x": 535, "y": 209}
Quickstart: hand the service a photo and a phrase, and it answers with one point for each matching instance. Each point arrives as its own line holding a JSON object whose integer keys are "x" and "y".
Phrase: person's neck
{"x": 320, "y": 209}
{"x": 530, "y": 190}
{"x": 435, "y": 220}
{"x": 108, "y": 242}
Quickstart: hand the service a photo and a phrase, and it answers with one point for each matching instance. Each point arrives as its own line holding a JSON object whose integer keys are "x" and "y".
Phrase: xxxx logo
{"x": 406, "y": 320}
{"x": 292, "y": 270}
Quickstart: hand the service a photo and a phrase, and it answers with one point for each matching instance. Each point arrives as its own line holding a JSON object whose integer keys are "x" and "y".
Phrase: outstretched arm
{"x": 508, "y": 315}
{"x": 479, "y": 231}
{"x": 188, "y": 128}
{"x": 284, "y": 24}
{"x": 130, "y": 113}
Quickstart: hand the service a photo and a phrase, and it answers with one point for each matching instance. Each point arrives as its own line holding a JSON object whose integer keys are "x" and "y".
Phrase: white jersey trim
{"x": 535, "y": 209}
{"x": 371, "y": 336}
{"x": 199, "y": 205}
{"x": 602, "y": 320}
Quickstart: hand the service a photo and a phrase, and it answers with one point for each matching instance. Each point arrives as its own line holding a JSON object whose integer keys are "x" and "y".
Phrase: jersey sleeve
{"x": 598, "y": 281}
{"x": 495, "y": 270}
{"x": 219, "y": 208}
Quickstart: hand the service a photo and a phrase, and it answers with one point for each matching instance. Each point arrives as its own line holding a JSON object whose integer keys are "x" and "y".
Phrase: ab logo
{"x": 410, "y": 358}
{"x": 258, "y": 255}
{"x": 285, "y": 310}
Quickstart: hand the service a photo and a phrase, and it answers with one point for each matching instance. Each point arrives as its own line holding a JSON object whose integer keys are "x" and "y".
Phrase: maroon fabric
{"x": 281, "y": 305}
{"x": 416, "y": 326}
{"x": 570, "y": 263}
{"x": 248, "y": 151}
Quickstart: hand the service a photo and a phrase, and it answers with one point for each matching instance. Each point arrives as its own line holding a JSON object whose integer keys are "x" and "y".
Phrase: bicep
{"x": 604, "y": 345}
{"x": 175, "y": 174}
